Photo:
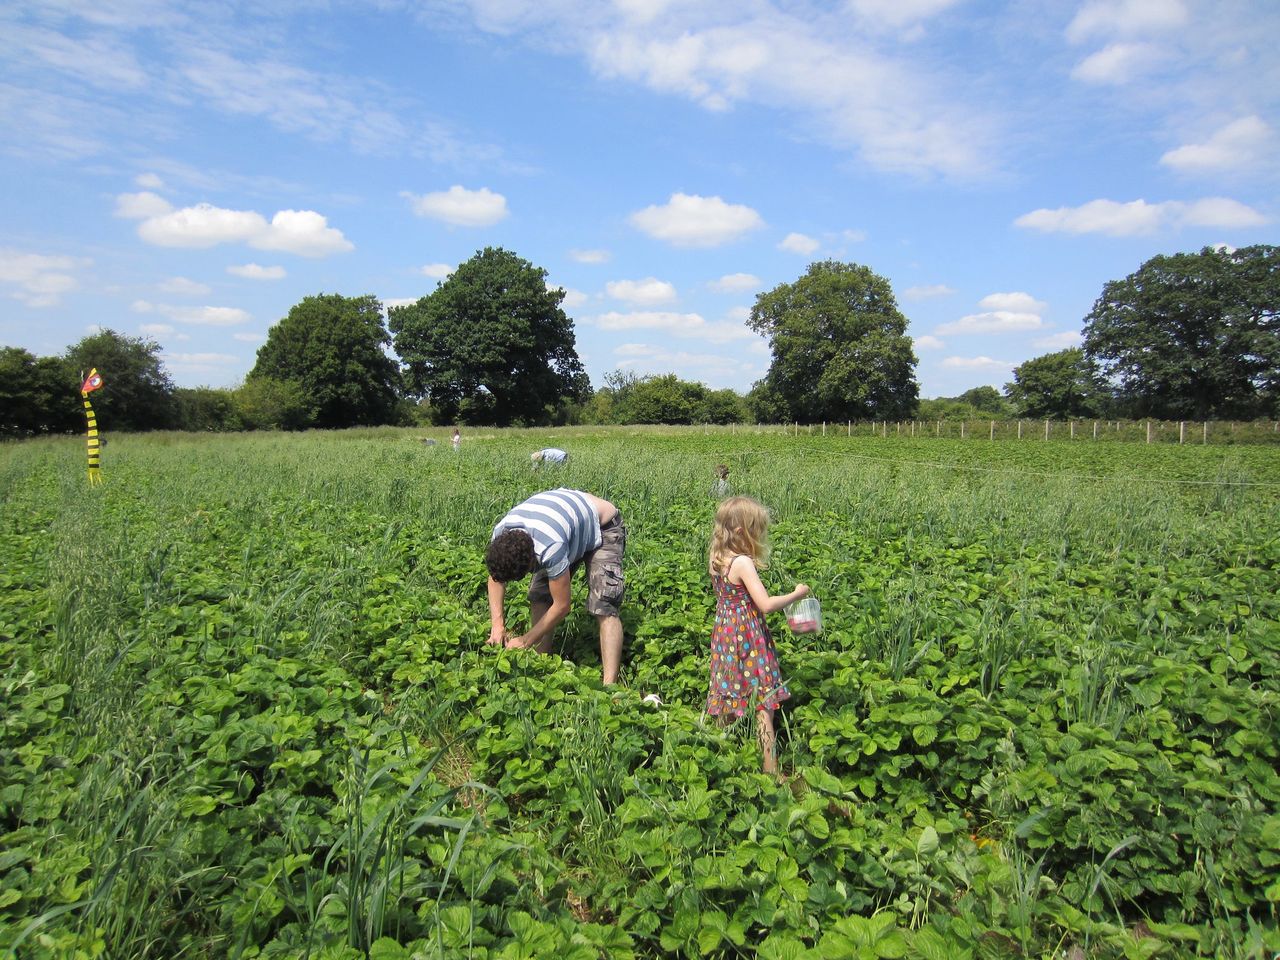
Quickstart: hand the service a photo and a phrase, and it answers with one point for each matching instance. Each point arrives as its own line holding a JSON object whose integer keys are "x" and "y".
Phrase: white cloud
{"x": 184, "y": 287}
{"x": 460, "y": 206}
{"x": 977, "y": 363}
{"x": 253, "y": 271}
{"x": 206, "y": 316}
{"x": 927, "y": 342}
{"x": 38, "y": 280}
{"x": 650, "y": 290}
{"x": 248, "y": 337}
{"x": 141, "y": 206}
{"x": 142, "y": 306}
{"x": 199, "y": 362}
{"x": 1242, "y": 144}
{"x": 1118, "y": 63}
{"x": 155, "y": 329}
{"x": 149, "y": 181}
{"x": 1059, "y": 341}
{"x": 798, "y": 243}
{"x": 572, "y": 298}
{"x": 708, "y": 368}
{"x": 897, "y": 13}
{"x": 390, "y": 303}
{"x": 927, "y": 292}
{"x": 693, "y": 221}
{"x": 686, "y": 325}
{"x": 436, "y": 271}
{"x": 997, "y": 321}
{"x": 589, "y": 256}
{"x": 735, "y": 283}
{"x": 1138, "y": 217}
{"x": 303, "y": 232}
{"x": 1125, "y": 17}
{"x": 828, "y": 75}
{"x": 1019, "y": 302}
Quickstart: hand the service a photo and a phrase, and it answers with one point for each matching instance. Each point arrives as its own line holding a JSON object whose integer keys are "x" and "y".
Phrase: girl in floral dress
{"x": 744, "y": 664}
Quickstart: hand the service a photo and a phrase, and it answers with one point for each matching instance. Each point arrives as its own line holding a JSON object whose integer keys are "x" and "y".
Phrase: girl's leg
{"x": 768, "y": 739}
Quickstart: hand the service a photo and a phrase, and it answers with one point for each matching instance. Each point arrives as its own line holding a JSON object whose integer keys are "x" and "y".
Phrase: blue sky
{"x": 189, "y": 172}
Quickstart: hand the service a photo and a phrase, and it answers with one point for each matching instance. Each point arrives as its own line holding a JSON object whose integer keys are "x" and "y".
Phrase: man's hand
{"x": 518, "y": 643}
{"x": 496, "y": 636}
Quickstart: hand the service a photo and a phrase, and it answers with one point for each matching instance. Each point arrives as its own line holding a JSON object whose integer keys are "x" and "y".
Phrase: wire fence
{"x": 1092, "y": 431}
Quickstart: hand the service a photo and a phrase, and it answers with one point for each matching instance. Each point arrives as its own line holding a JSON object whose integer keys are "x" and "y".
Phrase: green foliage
{"x": 665, "y": 399}
{"x": 136, "y": 392}
{"x": 248, "y": 708}
{"x": 265, "y": 403}
{"x": 38, "y": 395}
{"x": 207, "y": 409}
{"x": 840, "y": 349}
{"x": 1193, "y": 336}
{"x": 491, "y": 344}
{"x": 1058, "y": 386}
{"x": 331, "y": 347}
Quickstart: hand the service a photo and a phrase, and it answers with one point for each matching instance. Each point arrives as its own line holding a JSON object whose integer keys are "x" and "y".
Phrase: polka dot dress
{"x": 744, "y": 664}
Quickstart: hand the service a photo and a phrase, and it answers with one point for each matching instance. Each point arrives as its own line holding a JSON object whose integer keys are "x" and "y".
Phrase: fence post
{"x": 937, "y": 430}
{"x": 1095, "y": 429}
{"x": 1148, "y": 431}
{"x": 824, "y": 428}
{"x": 1019, "y": 429}
{"x": 993, "y": 430}
{"x": 849, "y": 430}
{"x": 962, "y": 429}
{"x": 1046, "y": 429}
{"x": 1073, "y": 429}
{"x": 1182, "y": 431}
{"x": 1204, "y": 433}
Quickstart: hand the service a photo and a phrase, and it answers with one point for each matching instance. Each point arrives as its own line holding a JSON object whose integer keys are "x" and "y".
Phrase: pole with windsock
{"x": 92, "y": 382}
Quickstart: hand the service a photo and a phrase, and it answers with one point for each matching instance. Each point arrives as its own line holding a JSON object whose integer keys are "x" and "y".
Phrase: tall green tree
{"x": 330, "y": 347}
{"x": 137, "y": 392}
{"x": 1193, "y": 335}
{"x": 840, "y": 349}
{"x": 38, "y": 395}
{"x": 1058, "y": 386}
{"x": 491, "y": 344}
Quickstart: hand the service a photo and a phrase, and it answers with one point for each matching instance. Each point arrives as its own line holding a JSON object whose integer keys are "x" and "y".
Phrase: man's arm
{"x": 559, "y": 609}
{"x": 497, "y": 614}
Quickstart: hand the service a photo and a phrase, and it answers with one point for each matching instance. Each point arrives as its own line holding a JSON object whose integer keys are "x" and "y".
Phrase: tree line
{"x": 1191, "y": 336}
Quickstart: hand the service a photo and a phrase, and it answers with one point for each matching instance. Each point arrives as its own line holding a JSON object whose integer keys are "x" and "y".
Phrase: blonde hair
{"x": 741, "y": 529}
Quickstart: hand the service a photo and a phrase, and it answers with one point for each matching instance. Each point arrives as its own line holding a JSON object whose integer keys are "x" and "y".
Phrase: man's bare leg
{"x": 536, "y": 612}
{"x": 610, "y": 647}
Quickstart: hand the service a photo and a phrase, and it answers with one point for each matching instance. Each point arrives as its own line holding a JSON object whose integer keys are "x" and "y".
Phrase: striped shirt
{"x": 563, "y": 524}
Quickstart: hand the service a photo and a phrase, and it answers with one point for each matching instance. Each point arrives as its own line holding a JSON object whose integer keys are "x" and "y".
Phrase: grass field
{"x": 248, "y": 710}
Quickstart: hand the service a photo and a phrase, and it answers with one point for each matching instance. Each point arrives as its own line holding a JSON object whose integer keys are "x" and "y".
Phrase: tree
{"x": 264, "y": 403}
{"x": 491, "y": 344}
{"x": 840, "y": 349}
{"x": 38, "y": 395}
{"x": 1193, "y": 335}
{"x": 206, "y": 409}
{"x": 985, "y": 399}
{"x": 331, "y": 348}
{"x": 1058, "y": 386}
{"x": 137, "y": 392}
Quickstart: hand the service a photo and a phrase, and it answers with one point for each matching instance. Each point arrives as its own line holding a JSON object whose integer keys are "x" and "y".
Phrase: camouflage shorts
{"x": 606, "y": 584}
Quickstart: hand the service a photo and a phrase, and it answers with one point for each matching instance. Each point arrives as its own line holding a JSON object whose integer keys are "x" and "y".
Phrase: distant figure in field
{"x": 550, "y": 535}
{"x": 457, "y": 439}
{"x": 548, "y": 455}
{"x": 721, "y": 487}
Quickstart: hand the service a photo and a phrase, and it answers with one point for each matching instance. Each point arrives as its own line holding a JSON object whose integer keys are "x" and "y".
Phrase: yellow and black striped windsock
{"x": 92, "y": 382}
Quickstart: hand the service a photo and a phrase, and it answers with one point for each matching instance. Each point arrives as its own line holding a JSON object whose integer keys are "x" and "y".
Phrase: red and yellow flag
{"x": 92, "y": 382}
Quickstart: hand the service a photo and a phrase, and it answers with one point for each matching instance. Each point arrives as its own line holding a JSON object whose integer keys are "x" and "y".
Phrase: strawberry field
{"x": 248, "y": 710}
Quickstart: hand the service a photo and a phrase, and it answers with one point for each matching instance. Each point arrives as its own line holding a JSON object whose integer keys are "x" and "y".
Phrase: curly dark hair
{"x": 510, "y": 555}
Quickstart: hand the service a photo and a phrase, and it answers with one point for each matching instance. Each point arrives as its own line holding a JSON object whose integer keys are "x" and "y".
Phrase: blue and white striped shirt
{"x": 563, "y": 524}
